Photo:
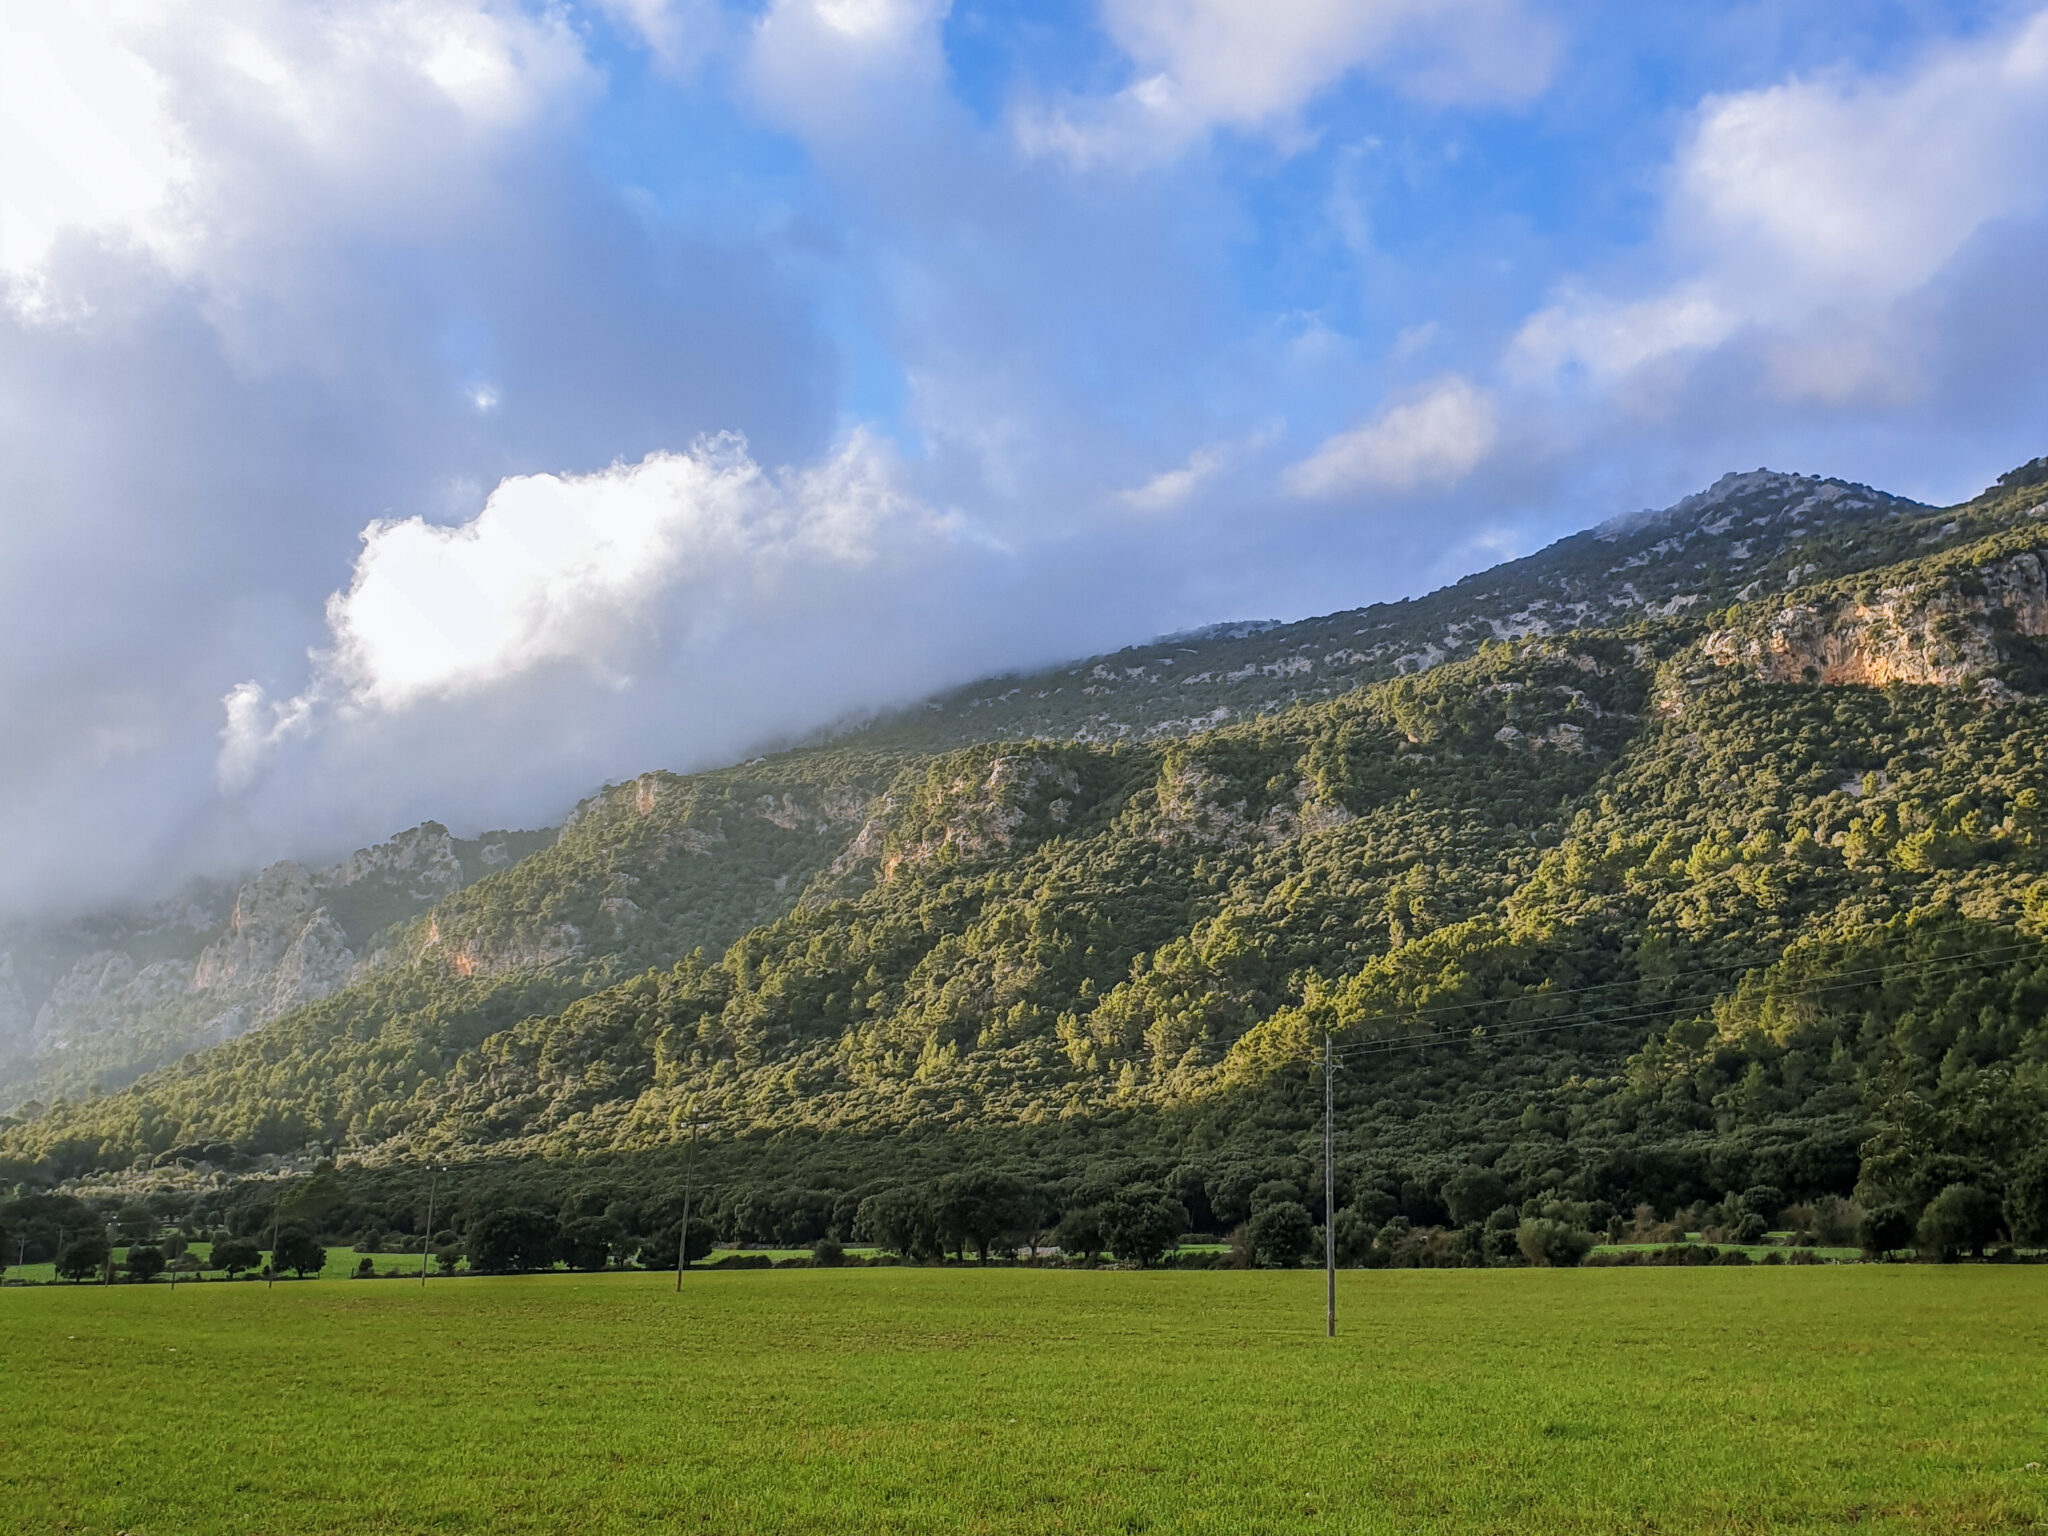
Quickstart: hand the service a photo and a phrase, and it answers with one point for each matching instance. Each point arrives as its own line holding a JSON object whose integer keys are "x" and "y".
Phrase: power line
{"x": 1849, "y": 981}
{"x": 1841, "y": 981}
{"x": 1760, "y": 963}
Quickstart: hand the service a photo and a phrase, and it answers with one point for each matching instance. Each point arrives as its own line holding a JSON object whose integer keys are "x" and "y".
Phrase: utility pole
{"x": 276, "y": 1217}
{"x": 1329, "y": 1188}
{"x": 426, "y": 1241}
{"x": 683, "y": 1237}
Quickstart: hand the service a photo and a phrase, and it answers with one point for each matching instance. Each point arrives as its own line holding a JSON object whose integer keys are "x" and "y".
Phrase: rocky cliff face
{"x": 112, "y": 1010}
{"x": 648, "y": 870}
{"x": 1948, "y": 631}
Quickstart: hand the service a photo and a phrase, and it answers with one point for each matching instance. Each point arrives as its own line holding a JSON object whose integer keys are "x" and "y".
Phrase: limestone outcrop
{"x": 1948, "y": 632}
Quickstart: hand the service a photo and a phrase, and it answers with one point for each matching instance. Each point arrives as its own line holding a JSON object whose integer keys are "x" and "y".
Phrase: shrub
{"x": 1765, "y": 1200}
{"x": 1553, "y": 1244}
{"x": 234, "y": 1255}
{"x": 1280, "y": 1235}
{"x": 1961, "y": 1216}
{"x": 659, "y": 1251}
{"x": 1829, "y": 1222}
{"x": 1354, "y": 1236}
{"x": 1884, "y": 1230}
{"x": 828, "y": 1253}
{"x": 1680, "y": 1254}
{"x": 145, "y": 1263}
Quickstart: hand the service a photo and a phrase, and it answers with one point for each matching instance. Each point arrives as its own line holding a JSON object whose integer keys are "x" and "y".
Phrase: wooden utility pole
{"x": 683, "y": 1238}
{"x": 426, "y": 1242}
{"x": 1329, "y": 1188}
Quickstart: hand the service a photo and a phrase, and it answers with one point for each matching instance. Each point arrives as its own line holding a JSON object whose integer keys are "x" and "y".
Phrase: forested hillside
{"x": 1740, "y": 894}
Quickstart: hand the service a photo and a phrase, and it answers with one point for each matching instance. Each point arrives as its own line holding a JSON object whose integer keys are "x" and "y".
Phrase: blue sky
{"x": 440, "y": 407}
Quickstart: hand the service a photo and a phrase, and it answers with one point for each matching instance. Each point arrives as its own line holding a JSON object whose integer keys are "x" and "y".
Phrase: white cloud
{"x": 1174, "y": 488}
{"x": 1800, "y": 214}
{"x": 1170, "y": 488}
{"x": 1852, "y": 189}
{"x": 198, "y": 131}
{"x": 1610, "y": 339}
{"x": 83, "y": 139}
{"x": 829, "y": 68}
{"x": 1253, "y": 65}
{"x": 677, "y": 32}
{"x": 592, "y": 571}
{"x": 1431, "y": 441}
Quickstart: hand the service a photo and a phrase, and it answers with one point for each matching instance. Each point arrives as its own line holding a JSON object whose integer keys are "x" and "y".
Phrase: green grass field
{"x": 1867, "y": 1398}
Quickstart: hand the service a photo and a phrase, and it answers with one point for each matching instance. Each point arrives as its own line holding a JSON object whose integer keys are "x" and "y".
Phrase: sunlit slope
{"x": 1063, "y": 931}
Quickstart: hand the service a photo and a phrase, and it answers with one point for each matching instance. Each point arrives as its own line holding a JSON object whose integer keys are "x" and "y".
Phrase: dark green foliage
{"x": 587, "y": 1242}
{"x": 1961, "y": 1219}
{"x": 1141, "y": 1225}
{"x": 37, "y": 1223}
{"x": 1080, "y": 1232}
{"x": 144, "y": 1263}
{"x": 2026, "y": 1198}
{"x": 1354, "y": 1238}
{"x": 511, "y": 1239}
{"x": 1884, "y": 1230}
{"x": 1765, "y": 1201}
{"x": 1553, "y": 1244}
{"x": 84, "y": 1259}
{"x": 234, "y": 1255}
{"x": 1473, "y": 1194}
{"x": 1280, "y": 1235}
{"x": 662, "y": 1249}
{"x": 298, "y": 1251}
{"x": 975, "y": 1208}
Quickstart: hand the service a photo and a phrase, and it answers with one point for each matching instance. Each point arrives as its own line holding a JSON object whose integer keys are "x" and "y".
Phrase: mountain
{"x": 90, "y": 1005}
{"x": 1744, "y": 535}
{"x": 1704, "y": 851}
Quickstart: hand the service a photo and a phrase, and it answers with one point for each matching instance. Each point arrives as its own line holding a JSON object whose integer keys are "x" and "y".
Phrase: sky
{"x": 443, "y": 408}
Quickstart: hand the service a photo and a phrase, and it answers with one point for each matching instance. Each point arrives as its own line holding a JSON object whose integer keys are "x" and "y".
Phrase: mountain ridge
{"x": 643, "y": 872}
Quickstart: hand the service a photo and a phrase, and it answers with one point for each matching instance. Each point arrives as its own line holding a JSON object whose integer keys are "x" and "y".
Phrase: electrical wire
{"x": 1701, "y": 971}
{"x": 1934, "y": 967}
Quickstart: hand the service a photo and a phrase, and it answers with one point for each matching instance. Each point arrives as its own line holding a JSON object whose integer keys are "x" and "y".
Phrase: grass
{"x": 1864, "y": 1398}
{"x": 1757, "y": 1252}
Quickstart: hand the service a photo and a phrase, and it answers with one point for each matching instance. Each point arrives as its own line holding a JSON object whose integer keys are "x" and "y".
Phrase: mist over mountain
{"x": 93, "y": 1002}
{"x": 1701, "y": 851}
